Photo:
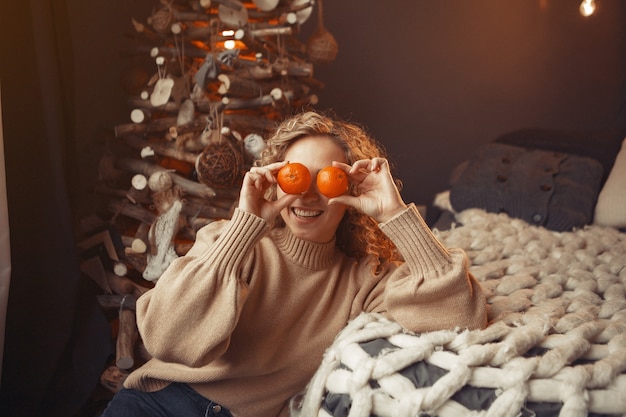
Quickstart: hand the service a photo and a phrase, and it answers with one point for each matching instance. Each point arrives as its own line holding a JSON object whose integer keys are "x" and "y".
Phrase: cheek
{"x": 337, "y": 211}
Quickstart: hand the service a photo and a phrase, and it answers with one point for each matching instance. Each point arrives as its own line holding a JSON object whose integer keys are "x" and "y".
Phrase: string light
{"x": 587, "y": 7}
{"x": 229, "y": 43}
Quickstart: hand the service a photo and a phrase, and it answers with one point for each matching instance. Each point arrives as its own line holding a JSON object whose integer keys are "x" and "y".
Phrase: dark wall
{"x": 430, "y": 79}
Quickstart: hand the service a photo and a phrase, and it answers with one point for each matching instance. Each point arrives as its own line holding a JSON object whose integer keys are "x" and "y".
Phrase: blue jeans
{"x": 174, "y": 400}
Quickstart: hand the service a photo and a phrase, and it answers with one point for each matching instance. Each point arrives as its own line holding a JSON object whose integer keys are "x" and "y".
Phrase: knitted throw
{"x": 555, "y": 345}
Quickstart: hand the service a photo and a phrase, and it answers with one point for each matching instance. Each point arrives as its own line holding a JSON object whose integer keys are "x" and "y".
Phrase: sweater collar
{"x": 310, "y": 255}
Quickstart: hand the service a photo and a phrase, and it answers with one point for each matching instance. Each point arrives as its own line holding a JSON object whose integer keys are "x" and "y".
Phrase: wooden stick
{"x": 147, "y": 169}
{"x": 132, "y": 211}
{"x": 238, "y": 86}
{"x": 140, "y": 241}
{"x": 161, "y": 148}
{"x": 138, "y": 190}
{"x": 120, "y": 269}
{"x": 246, "y": 122}
{"x": 115, "y": 301}
{"x": 271, "y": 31}
{"x": 113, "y": 378}
{"x": 126, "y": 338}
{"x": 266, "y": 100}
{"x": 125, "y": 286}
{"x": 137, "y": 260}
{"x": 219, "y": 207}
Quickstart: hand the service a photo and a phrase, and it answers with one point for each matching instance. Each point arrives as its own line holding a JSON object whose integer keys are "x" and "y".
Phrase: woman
{"x": 239, "y": 325}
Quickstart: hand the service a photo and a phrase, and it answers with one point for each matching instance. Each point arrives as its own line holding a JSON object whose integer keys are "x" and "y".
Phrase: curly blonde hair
{"x": 358, "y": 235}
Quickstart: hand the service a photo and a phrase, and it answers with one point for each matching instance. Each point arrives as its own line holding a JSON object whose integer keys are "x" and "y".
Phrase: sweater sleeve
{"x": 192, "y": 310}
{"x": 433, "y": 288}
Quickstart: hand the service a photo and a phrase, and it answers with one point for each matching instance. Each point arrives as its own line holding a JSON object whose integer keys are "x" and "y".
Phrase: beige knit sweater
{"x": 247, "y": 314}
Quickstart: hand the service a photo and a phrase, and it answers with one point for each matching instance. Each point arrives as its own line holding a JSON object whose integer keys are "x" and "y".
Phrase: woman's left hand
{"x": 377, "y": 193}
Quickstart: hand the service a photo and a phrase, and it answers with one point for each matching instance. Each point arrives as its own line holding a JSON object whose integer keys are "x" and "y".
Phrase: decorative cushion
{"x": 554, "y": 190}
{"x": 600, "y": 145}
{"x": 611, "y": 206}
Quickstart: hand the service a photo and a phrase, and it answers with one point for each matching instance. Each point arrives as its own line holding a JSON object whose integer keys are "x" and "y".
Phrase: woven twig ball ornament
{"x": 321, "y": 47}
{"x": 220, "y": 164}
{"x": 161, "y": 20}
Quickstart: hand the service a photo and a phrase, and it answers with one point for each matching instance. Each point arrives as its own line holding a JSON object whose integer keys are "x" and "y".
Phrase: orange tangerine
{"x": 294, "y": 178}
{"x": 332, "y": 181}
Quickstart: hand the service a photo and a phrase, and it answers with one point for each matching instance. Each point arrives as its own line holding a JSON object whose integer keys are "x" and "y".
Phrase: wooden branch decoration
{"x": 116, "y": 301}
{"x": 238, "y": 86}
{"x": 161, "y": 148}
{"x": 125, "y": 286}
{"x": 289, "y": 7}
{"x": 126, "y": 338}
{"x": 219, "y": 207}
{"x": 137, "y": 260}
{"x": 133, "y": 211}
{"x": 245, "y": 122}
{"x": 266, "y": 100}
{"x": 147, "y": 169}
{"x": 113, "y": 378}
{"x": 138, "y": 190}
{"x": 120, "y": 269}
{"x": 139, "y": 242}
{"x": 271, "y": 31}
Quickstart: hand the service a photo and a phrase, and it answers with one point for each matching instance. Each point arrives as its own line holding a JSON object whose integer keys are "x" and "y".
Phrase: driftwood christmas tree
{"x": 214, "y": 77}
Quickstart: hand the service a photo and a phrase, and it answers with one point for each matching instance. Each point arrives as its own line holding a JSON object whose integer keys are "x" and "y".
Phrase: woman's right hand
{"x": 252, "y": 195}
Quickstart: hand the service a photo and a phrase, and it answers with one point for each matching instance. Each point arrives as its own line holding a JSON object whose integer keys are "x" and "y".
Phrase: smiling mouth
{"x": 306, "y": 214}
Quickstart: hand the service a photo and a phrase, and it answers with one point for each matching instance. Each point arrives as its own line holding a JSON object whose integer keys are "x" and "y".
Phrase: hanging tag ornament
{"x": 162, "y": 91}
{"x": 185, "y": 113}
{"x": 180, "y": 89}
{"x": 302, "y": 14}
{"x": 266, "y": 5}
{"x": 233, "y": 14}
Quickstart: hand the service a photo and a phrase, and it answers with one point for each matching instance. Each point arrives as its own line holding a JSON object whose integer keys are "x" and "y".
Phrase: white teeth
{"x": 306, "y": 213}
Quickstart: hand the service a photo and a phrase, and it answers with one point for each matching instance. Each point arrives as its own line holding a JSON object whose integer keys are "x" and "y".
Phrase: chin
{"x": 308, "y": 235}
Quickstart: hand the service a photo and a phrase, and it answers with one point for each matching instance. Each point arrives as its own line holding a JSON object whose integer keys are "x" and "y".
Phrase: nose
{"x": 312, "y": 194}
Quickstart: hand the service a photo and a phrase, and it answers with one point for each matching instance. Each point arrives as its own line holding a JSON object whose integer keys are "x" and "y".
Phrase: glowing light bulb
{"x": 587, "y": 7}
{"x": 229, "y": 44}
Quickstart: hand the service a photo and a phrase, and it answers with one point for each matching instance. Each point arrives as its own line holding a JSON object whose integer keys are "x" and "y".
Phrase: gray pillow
{"x": 545, "y": 188}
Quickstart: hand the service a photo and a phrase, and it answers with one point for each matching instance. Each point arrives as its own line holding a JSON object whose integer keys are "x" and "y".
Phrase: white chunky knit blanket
{"x": 555, "y": 345}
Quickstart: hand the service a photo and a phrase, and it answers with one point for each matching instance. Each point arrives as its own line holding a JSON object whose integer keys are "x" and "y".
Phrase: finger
{"x": 263, "y": 173}
{"x": 360, "y": 167}
{"x": 249, "y": 179}
{"x": 347, "y": 200}
{"x": 341, "y": 165}
{"x": 269, "y": 176}
{"x": 274, "y": 166}
{"x": 284, "y": 201}
{"x": 378, "y": 163}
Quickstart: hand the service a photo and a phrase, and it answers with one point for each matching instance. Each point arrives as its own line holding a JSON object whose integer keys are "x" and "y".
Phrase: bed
{"x": 542, "y": 217}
